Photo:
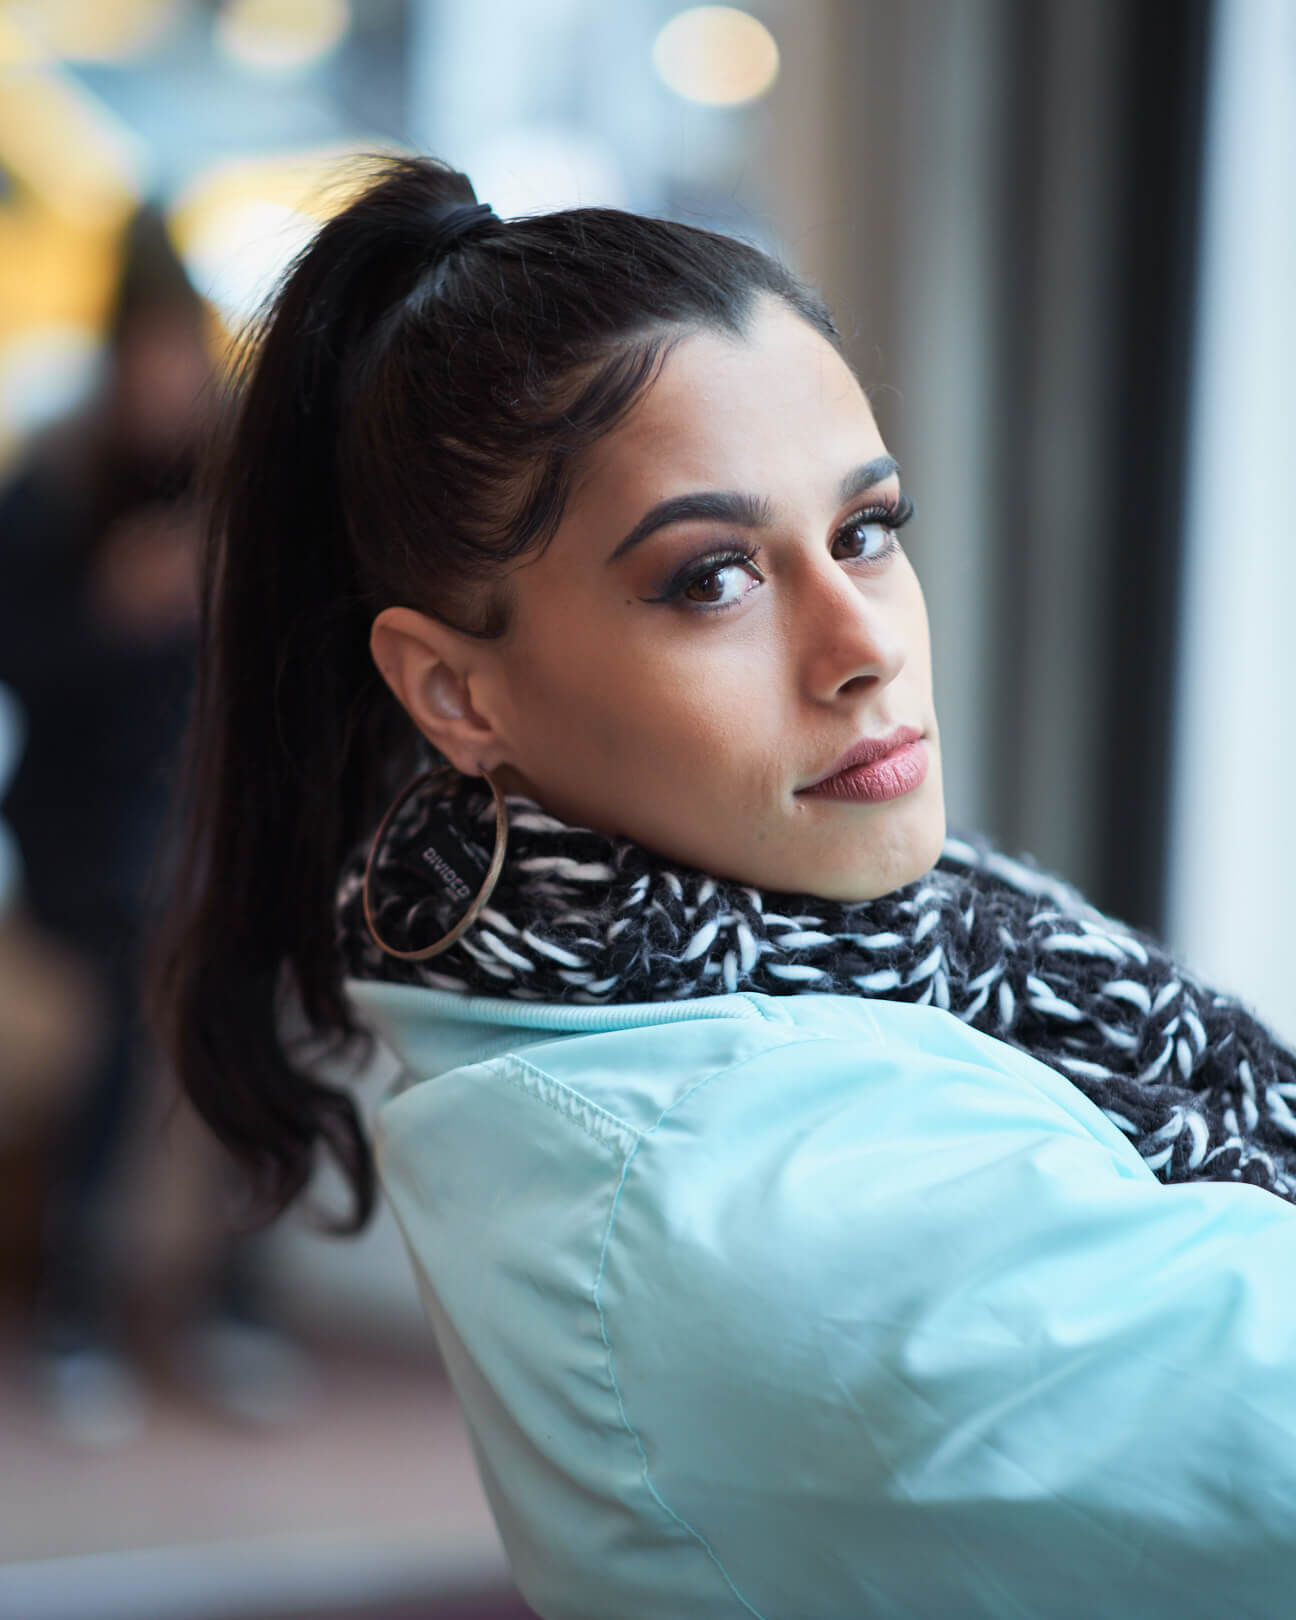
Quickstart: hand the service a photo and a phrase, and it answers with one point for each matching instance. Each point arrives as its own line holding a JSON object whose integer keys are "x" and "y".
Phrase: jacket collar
{"x": 433, "y": 1031}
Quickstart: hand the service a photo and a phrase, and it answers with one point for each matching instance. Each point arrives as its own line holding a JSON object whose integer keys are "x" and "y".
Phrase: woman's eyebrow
{"x": 862, "y": 479}
{"x": 723, "y": 506}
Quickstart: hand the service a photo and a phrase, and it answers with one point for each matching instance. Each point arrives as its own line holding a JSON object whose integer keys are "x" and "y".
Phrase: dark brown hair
{"x": 407, "y": 425}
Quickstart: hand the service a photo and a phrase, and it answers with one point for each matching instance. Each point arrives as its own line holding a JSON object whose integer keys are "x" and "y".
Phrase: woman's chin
{"x": 888, "y": 860}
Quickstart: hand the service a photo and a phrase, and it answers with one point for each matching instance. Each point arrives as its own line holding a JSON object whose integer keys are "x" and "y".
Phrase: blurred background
{"x": 1059, "y": 237}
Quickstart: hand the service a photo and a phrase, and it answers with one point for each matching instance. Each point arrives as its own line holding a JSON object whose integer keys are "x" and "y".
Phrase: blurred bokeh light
{"x": 98, "y": 30}
{"x": 717, "y": 55}
{"x": 282, "y": 36}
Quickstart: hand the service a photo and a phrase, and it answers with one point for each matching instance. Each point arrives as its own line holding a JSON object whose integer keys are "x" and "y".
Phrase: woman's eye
{"x": 870, "y": 536}
{"x": 864, "y": 539}
{"x": 719, "y": 586}
{"x": 718, "y": 581}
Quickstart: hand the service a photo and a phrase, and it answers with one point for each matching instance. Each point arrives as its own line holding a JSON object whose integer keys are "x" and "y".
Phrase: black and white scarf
{"x": 1194, "y": 1080}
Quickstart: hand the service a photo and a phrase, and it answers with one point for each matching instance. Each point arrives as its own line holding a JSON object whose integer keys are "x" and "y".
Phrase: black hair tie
{"x": 457, "y": 222}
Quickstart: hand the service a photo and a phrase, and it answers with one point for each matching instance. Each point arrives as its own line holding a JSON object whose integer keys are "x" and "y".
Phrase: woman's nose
{"x": 849, "y": 633}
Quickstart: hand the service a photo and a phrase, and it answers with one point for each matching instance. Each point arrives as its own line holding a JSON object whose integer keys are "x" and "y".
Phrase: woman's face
{"x": 723, "y": 615}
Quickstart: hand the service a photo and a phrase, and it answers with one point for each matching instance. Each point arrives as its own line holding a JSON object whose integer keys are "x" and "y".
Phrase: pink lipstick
{"x": 876, "y": 769}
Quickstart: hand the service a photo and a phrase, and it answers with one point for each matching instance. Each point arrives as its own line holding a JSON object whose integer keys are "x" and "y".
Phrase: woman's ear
{"x": 428, "y": 666}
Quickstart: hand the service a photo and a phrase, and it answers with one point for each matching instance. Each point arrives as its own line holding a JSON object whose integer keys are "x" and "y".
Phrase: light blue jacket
{"x": 816, "y": 1308}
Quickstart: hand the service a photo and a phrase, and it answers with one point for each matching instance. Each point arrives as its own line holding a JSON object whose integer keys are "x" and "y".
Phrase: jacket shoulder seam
{"x": 608, "y": 1130}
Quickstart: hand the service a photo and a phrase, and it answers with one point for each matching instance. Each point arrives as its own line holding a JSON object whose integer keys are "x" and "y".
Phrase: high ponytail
{"x": 294, "y": 737}
{"x": 406, "y": 426}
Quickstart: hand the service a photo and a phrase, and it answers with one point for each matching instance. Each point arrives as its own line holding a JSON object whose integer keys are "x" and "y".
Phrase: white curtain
{"x": 1232, "y": 853}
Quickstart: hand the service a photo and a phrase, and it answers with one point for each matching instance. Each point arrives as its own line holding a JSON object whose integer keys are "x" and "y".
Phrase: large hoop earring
{"x": 483, "y": 895}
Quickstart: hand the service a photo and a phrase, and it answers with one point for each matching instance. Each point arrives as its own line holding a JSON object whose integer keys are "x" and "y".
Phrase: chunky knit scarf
{"x": 1196, "y": 1083}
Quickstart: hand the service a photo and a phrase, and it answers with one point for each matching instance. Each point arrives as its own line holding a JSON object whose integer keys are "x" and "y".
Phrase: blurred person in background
{"x": 51, "y": 1014}
{"x": 98, "y": 548}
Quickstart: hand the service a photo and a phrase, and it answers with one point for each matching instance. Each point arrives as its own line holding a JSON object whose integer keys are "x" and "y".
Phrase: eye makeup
{"x": 887, "y": 515}
{"x": 699, "y": 569}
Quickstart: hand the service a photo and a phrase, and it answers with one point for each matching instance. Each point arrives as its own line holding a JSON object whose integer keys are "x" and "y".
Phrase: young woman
{"x": 819, "y": 1217}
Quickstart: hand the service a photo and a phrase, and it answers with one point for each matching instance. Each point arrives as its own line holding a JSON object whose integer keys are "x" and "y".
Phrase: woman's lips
{"x": 876, "y": 769}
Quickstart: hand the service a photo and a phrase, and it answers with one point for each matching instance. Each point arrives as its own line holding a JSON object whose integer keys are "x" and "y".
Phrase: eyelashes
{"x": 699, "y": 570}
{"x": 706, "y": 572}
{"x": 888, "y": 518}
{"x": 892, "y": 515}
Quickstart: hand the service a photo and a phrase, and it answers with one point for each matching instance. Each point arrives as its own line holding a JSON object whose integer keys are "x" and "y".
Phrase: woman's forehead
{"x": 726, "y": 411}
